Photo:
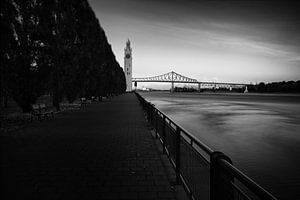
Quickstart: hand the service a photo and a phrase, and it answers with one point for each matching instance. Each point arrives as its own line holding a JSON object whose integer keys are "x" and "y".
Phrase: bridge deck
{"x": 103, "y": 152}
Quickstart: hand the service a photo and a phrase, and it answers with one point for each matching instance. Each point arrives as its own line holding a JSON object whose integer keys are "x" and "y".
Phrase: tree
{"x": 55, "y": 47}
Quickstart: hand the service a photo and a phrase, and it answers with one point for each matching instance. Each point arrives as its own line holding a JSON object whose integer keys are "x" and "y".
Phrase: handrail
{"x": 247, "y": 181}
{"x": 203, "y": 146}
{"x": 220, "y": 164}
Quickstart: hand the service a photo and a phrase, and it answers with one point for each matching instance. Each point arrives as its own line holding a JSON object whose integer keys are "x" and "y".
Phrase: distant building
{"x": 128, "y": 66}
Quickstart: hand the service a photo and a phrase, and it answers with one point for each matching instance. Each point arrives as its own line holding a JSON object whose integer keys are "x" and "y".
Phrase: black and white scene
{"x": 150, "y": 100}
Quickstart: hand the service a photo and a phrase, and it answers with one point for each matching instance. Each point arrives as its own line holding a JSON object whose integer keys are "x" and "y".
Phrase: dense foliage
{"x": 185, "y": 89}
{"x": 55, "y": 47}
{"x": 276, "y": 87}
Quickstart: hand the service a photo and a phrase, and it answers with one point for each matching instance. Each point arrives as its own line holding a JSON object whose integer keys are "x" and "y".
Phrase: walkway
{"x": 103, "y": 152}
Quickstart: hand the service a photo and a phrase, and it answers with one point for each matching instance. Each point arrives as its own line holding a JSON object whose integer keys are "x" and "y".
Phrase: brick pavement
{"x": 103, "y": 152}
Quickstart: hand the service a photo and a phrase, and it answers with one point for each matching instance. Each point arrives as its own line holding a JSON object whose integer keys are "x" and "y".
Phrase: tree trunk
{"x": 56, "y": 99}
{"x": 5, "y": 100}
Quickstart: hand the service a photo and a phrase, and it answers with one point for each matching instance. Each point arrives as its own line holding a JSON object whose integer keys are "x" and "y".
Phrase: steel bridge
{"x": 173, "y": 77}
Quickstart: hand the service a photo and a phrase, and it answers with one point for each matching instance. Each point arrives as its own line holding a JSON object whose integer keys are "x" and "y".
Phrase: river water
{"x": 260, "y": 133}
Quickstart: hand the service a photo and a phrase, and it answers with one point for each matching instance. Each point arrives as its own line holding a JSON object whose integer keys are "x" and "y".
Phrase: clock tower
{"x": 128, "y": 66}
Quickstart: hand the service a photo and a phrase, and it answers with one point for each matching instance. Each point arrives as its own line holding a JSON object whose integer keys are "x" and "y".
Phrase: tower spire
{"x": 128, "y": 43}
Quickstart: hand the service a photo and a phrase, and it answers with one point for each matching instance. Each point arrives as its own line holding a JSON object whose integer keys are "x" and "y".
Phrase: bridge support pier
{"x": 199, "y": 87}
{"x": 172, "y": 86}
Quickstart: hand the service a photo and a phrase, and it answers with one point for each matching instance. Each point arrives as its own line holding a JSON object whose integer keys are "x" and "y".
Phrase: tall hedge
{"x": 55, "y": 47}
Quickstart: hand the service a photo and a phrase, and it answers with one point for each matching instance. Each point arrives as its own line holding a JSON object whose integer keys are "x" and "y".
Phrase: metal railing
{"x": 204, "y": 173}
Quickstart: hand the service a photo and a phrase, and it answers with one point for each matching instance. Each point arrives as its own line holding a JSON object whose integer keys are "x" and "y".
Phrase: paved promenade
{"x": 103, "y": 152}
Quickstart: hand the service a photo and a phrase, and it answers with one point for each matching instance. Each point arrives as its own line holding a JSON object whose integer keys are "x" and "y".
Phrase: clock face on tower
{"x": 127, "y": 56}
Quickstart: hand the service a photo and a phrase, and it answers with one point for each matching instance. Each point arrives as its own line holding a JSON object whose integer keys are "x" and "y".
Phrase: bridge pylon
{"x": 172, "y": 82}
{"x": 199, "y": 87}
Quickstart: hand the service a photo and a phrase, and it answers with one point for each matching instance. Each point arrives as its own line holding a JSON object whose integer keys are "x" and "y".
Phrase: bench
{"x": 40, "y": 111}
{"x": 83, "y": 102}
{"x": 74, "y": 106}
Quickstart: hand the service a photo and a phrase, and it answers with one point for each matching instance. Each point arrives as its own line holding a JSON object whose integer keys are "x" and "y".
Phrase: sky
{"x": 246, "y": 41}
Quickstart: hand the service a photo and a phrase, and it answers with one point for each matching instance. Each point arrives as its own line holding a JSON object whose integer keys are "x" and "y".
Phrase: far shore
{"x": 227, "y": 93}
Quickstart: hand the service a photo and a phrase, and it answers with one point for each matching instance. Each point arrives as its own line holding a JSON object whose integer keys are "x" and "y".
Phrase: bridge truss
{"x": 172, "y": 77}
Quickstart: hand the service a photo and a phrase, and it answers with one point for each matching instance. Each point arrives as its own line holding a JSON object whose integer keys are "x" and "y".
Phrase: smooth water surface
{"x": 260, "y": 133}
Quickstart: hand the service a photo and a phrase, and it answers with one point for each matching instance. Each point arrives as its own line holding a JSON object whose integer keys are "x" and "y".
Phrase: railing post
{"x": 151, "y": 114}
{"x": 220, "y": 186}
{"x": 163, "y": 128}
{"x": 177, "y": 149}
{"x": 156, "y": 124}
{"x": 148, "y": 111}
